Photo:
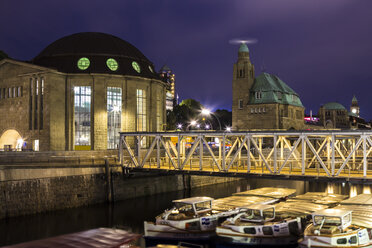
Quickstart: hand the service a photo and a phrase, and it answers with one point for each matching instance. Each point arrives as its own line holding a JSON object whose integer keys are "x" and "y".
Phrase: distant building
{"x": 78, "y": 94}
{"x": 168, "y": 76}
{"x": 334, "y": 115}
{"x": 264, "y": 102}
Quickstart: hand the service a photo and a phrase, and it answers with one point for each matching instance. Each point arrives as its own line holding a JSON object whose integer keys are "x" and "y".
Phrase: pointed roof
{"x": 243, "y": 48}
{"x": 354, "y": 99}
{"x": 273, "y": 90}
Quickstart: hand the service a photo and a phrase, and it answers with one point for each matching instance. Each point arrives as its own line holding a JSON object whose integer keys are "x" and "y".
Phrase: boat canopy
{"x": 260, "y": 207}
{"x": 194, "y": 200}
{"x": 332, "y": 212}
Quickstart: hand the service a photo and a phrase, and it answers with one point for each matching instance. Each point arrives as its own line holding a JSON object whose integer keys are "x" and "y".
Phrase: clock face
{"x": 354, "y": 111}
{"x": 136, "y": 66}
{"x": 112, "y": 64}
{"x": 83, "y": 63}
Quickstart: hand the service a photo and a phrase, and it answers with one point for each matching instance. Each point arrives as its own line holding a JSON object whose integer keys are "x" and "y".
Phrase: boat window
{"x": 347, "y": 218}
{"x": 250, "y": 230}
{"x": 203, "y": 206}
{"x": 267, "y": 230}
{"x": 353, "y": 240}
{"x": 341, "y": 241}
{"x": 328, "y": 220}
{"x": 253, "y": 214}
{"x": 184, "y": 207}
{"x": 268, "y": 213}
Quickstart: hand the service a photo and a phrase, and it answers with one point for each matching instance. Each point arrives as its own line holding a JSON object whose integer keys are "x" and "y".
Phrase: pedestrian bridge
{"x": 307, "y": 155}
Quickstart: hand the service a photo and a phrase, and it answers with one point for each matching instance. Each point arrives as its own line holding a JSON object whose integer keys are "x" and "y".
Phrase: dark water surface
{"x": 130, "y": 214}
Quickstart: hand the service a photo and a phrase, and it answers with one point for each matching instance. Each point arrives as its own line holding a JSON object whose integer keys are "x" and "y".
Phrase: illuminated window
{"x": 30, "y": 104}
{"x": 141, "y": 112}
{"x": 150, "y": 68}
{"x": 112, "y": 64}
{"x": 41, "y": 116}
{"x": 240, "y": 104}
{"x": 14, "y": 92}
{"x": 252, "y": 111}
{"x": 82, "y": 104}
{"x": 36, "y": 103}
{"x": 83, "y": 63}
{"x": 159, "y": 107}
{"x": 136, "y": 66}
{"x": 258, "y": 95}
{"x": 113, "y": 116}
{"x": 20, "y": 91}
{"x": 10, "y": 92}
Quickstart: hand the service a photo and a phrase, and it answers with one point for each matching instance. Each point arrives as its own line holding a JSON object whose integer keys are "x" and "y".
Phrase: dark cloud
{"x": 322, "y": 49}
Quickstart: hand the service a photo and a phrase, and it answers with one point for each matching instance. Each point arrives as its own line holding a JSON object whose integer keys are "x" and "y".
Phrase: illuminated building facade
{"x": 168, "y": 76}
{"x": 263, "y": 102}
{"x": 78, "y": 94}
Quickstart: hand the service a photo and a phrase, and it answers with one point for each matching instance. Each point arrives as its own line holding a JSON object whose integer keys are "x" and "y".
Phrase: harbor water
{"x": 130, "y": 214}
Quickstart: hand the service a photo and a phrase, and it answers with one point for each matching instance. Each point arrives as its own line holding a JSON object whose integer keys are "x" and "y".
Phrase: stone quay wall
{"x": 28, "y": 188}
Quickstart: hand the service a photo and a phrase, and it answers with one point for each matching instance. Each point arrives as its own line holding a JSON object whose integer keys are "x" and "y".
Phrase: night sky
{"x": 322, "y": 49}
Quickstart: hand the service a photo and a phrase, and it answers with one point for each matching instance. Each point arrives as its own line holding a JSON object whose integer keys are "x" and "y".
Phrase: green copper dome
{"x": 243, "y": 48}
{"x": 333, "y": 105}
{"x": 273, "y": 90}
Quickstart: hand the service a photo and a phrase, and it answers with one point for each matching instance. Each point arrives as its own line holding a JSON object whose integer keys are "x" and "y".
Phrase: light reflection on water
{"x": 130, "y": 214}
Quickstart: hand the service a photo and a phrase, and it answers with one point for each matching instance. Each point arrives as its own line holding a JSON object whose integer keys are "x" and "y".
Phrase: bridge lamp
{"x": 179, "y": 126}
{"x": 193, "y": 123}
{"x": 207, "y": 126}
{"x": 228, "y": 129}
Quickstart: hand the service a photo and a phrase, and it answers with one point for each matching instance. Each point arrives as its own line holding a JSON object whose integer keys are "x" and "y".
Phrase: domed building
{"x": 78, "y": 94}
{"x": 334, "y": 115}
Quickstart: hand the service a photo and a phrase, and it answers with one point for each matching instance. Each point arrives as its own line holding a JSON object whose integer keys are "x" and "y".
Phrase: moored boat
{"x": 196, "y": 218}
{"x": 258, "y": 225}
{"x": 333, "y": 228}
{"x": 190, "y": 218}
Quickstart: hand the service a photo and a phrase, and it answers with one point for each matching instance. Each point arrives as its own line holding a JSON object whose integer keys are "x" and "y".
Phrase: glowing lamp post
{"x": 207, "y": 112}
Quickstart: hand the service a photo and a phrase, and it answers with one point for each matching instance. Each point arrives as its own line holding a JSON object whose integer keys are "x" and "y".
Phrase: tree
{"x": 183, "y": 113}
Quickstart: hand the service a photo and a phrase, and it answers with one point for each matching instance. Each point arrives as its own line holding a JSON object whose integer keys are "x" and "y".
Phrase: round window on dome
{"x": 136, "y": 66}
{"x": 83, "y": 63}
{"x": 112, "y": 64}
{"x": 150, "y": 68}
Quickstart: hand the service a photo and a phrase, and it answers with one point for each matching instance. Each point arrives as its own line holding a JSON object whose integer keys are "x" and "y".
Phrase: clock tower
{"x": 354, "y": 108}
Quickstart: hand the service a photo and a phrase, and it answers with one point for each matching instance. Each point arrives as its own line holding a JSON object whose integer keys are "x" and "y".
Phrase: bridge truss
{"x": 330, "y": 154}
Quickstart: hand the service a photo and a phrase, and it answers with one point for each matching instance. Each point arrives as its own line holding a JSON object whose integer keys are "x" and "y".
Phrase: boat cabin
{"x": 258, "y": 213}
{"x": 329, "y": 220}
{"x": 193, "y": 206}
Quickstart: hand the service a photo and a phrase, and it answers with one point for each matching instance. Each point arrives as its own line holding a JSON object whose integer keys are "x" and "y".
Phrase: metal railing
{"x": 331, "y": 154}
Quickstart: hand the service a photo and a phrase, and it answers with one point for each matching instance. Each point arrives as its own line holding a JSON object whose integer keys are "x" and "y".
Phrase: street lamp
{"x": 207, "y": 112}
{"x": 192, "y": 123}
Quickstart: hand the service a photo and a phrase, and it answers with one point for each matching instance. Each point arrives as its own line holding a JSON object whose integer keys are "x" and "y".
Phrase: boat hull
{"x": 243, "y": 240}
